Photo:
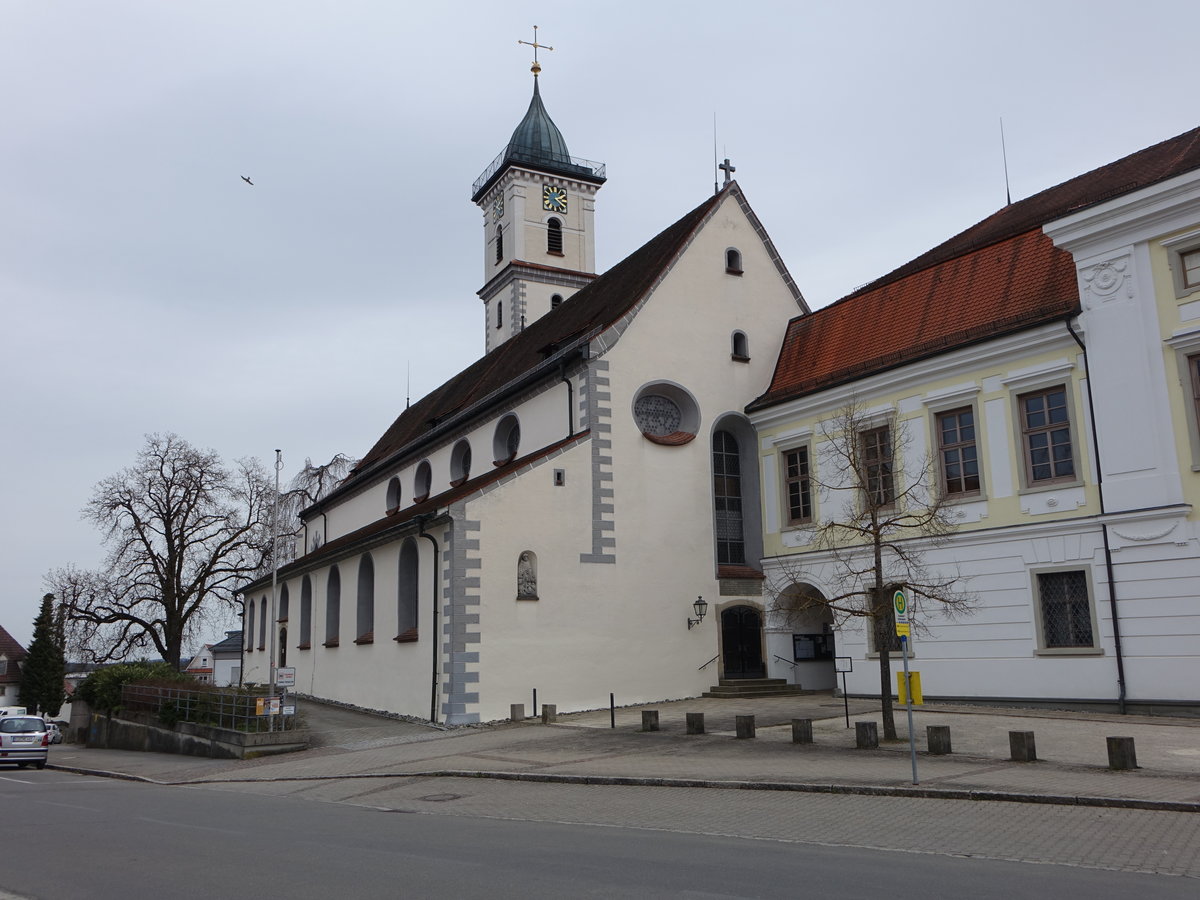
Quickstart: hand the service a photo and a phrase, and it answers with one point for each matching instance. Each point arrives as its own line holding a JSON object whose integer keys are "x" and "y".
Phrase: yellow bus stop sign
{"x": 914, "y": 678}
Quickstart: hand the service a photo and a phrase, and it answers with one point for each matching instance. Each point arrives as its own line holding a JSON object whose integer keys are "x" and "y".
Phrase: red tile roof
{"x": 999, "y": 276}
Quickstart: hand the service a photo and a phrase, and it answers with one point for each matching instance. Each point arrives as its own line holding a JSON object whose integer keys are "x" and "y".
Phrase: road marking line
{"x": 17, "y": 780}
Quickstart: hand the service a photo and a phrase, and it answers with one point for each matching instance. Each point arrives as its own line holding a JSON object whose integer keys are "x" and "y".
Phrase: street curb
{"x": 639, "y": 781}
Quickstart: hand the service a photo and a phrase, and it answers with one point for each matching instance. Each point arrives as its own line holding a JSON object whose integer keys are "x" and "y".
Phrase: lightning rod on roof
{"x": 1004, "y": 154}
{"x": 408, "y": 384}
{"x": 716, "y": 188}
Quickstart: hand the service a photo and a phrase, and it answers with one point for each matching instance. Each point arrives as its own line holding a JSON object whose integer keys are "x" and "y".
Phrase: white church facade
{"x": 548, "y": 518}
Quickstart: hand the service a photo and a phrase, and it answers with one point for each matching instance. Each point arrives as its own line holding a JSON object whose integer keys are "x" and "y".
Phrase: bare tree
{"x": 310, "y": 484}
{"x": 882, "y": 510}
{"x": 183, "y": 532}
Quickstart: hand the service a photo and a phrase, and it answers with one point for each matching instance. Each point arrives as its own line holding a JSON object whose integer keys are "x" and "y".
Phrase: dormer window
{"x": 733, "y": 261}
{"x": 556, "y": 301}
{"x": 554, "y": 243}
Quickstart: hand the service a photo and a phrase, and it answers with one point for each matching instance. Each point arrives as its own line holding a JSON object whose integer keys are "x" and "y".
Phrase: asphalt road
{"x": 68, "y": 836}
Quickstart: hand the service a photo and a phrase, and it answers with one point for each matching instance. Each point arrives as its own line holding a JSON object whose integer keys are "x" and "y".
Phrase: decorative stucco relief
{"x": 1105, "y": 281}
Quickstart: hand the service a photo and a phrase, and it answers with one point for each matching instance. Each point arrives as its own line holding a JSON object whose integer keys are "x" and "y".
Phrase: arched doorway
{"x": 741, "y": 643}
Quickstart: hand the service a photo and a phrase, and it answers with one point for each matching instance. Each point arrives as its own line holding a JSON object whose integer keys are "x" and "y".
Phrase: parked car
{"x": 24, "y": 740}
{"x": 55, "y": 732}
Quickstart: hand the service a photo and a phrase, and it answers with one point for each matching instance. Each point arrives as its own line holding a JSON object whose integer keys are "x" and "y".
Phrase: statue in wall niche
{"x": 527, "y": 576}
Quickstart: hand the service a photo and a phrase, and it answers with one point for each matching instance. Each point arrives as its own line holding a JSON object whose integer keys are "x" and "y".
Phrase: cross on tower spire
{"x": 535, "y": 45}
{"x": 728, "y": 170}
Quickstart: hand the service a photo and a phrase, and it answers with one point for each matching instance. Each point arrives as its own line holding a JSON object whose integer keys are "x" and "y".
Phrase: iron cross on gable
{"x": 536, "y": 46}
{"x": 728, "y": 170}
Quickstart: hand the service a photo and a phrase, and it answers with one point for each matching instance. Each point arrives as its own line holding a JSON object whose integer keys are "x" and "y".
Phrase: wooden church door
{"x": 741, "y": 643}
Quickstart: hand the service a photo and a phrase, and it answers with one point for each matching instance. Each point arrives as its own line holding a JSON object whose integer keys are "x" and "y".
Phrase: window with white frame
{"x": 1046, "y": 442}
{"x": 958, "y": 453}
{"x": 1066, "y": 619}
{"x": 798, "y": 485}
{"x": 1189, "y": 268}
{"x": 879, "y": 485}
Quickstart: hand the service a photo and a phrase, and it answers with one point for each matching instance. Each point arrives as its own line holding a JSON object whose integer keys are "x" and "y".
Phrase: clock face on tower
{"x": 554, "y": 198}
{"x": 498, "y": 209}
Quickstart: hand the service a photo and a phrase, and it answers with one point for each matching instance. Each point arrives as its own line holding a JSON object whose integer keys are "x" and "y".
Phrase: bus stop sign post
{"x": 904, "y": 630}
{"x": 844, "y": 664}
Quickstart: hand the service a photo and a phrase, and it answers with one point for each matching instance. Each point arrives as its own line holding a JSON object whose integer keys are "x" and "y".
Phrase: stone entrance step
{"x": 754, "y": 687}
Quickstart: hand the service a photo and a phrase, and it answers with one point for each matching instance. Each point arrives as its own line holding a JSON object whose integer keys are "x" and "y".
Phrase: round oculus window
{"x": 657, "y": 415}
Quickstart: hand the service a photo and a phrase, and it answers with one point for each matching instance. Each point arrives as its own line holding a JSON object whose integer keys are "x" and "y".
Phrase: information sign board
{"x": 285, "y": 676}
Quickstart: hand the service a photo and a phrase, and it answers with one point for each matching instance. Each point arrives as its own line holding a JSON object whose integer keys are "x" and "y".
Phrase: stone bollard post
{"x": 802, "y": 731}
{"x": 549, "y": 713}
{"x": 695, "y": 723}
{"x": 649, "y": 720}
{"x": 516, "y": 712}
{"x": 1121, "y": 754}
{"x": 866, "y": 735}
{"x": 938, "y": 737}
{"x": 1021, "y": 746}
{"x": 745, "y": 726}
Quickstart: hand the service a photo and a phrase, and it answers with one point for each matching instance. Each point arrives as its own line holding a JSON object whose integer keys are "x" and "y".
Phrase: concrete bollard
{"x": 695, "y": 723}
{"x": 802, "y": 731}
{"x": 1021, "y": 746}
{"x": 866, "y": 735}
{"x": 649, "y": 720}
{"x": 516, "y": 712}
{"x": 549, "y": 713}
{"x": 745, "y": 726}
{"x": 1121, "y": 754}
{"x": 938, "y": 737}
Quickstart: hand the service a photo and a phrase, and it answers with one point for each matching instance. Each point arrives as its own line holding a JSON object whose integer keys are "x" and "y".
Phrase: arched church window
{"x": 499, "y": 313}
{"x": 556, "y": 301}
{"x": 393, "y": 494}
{"x": 554, "y": 243}
{"x": 305, "y": 614}
{"x": 421, "y": 482}
{"x": 666, "y": 414}
{"x": 283, "y": 603}
{"x": 727, "y": 500}
{"x": 333, "y": 608}
{"x": 733, "y": 261}
{"x": 460, "y": 463}
{"x": 406, "y": 595}
{"x": 527, "y": 576}
{"x": 499, "y": 245}
{"x": 262, "y": 623}
{"x": 741, "y": 347}
{"x": 250, "y": 624}
{"x": 365, "y": 607}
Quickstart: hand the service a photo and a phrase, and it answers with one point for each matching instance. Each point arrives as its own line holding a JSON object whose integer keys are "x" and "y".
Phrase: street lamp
{"x": 701, "y": 607}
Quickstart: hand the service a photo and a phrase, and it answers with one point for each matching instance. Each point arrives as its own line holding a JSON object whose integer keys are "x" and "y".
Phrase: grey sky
{"x": 146, "y": 287}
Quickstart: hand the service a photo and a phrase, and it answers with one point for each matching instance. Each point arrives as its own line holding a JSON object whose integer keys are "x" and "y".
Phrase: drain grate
{"x": 440, "y": 798}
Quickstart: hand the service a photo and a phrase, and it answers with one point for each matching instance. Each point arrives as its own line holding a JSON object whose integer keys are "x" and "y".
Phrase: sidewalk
{"x": 1072, "y": 766}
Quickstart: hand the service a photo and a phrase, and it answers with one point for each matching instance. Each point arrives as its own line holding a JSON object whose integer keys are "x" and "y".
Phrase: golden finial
{"x": 535, "y": 68}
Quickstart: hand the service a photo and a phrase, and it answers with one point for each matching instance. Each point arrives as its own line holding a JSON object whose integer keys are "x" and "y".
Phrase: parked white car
{"x": 24, "y": 740}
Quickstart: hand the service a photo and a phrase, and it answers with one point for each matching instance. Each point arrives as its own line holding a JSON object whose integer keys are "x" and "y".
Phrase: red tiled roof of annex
{"x": 999, "y": 276}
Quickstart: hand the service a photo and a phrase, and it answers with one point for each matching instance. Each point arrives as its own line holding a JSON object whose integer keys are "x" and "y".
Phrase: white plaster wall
{"x": 993, "y": 652}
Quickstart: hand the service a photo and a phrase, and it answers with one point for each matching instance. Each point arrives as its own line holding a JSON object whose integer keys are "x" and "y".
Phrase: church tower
{"x": 538, "y": 204}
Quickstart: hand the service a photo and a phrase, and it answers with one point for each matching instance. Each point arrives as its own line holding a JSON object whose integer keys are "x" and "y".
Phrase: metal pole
{"x": 535, "y": 709}
{"x": 912, "y": 740}
{"x": 274, "y": 577}
{"x": 846, "y": 699}
{"x": 612, "y": 711}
